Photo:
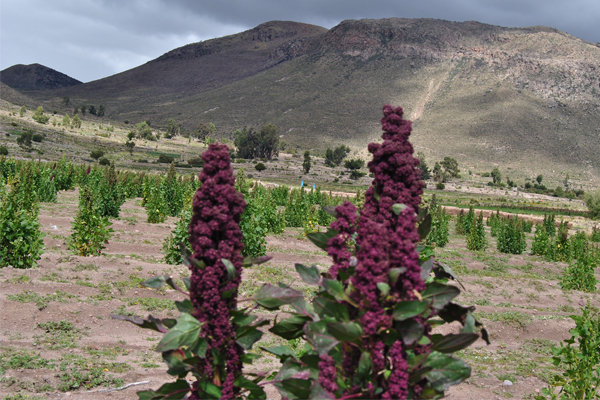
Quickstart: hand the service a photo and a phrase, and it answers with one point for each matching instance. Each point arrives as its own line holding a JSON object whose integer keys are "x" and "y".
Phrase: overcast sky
{"x": 92, "y": 39}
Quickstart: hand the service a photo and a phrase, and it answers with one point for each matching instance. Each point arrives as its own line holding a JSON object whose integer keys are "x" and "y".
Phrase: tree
{"x": 539, "y": 179}
{"x": 253, "y": 144}
{"x": 335, "y": 157}
{"x": 96, "y": 154}
{"x": 82, "y": 108}
{"x": 22, "y": 111}
{"x": 354, "y": 166}
{"x": 425, "y": 173}
{"x": 496, "y": 176}
{"x": 450, "y": 166}
{"x": 592, "y": 201}
{"x": 76, "y": 122}
{"x": 144, "y": 131}
{"x": 130, "y": 145}
{"x": 306, "y": 163}
{"x": 437, "y": 173}
{"x": 101, "y": 110}
{"x": 92, "y": 109}
{"x": 39, "y": 116}
{"x": 25, "y": 139}
{"x": 173, "y": 128}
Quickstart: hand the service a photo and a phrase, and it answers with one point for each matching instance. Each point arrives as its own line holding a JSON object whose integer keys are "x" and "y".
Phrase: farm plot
{"x": 58, "y": 340}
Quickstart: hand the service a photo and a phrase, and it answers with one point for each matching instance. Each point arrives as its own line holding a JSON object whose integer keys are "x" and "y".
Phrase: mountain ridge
{"x": 486, "y": 94}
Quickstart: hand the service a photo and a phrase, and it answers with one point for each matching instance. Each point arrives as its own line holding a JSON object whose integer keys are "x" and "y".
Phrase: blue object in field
{"x": 301, "y": 184}
{"x": 313, "y": 186}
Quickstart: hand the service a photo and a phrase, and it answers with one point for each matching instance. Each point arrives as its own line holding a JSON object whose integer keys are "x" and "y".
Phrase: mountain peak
{"x": 35, "y": 77}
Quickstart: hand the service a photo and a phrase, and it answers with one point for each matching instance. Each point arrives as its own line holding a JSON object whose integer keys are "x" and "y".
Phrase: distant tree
{"x": 131, "y": 135}
{"x": 268, "y": 144}
{"x": 438, "y": 176}
{"x": 75, "y": 110}
{"x": 130, "y": 145}
{"x": 496, "y": 176}
{"x": 335, "y": 157}
{"x": 425, "y": 173}
{"x": 22, "y": 111}
{"x": 592, "y": 201}
{"x": 144, "y": 131}
{"x": 25, "y": 139}
{"x": 539, "y": 179}
{"x": 82, "y": 108}
{"x": 306, "y": 163}
{"x": 354, "y": 166}
{"x": 96, "y": 154}
{"x": 76, "y": 122}
{"x": 173, "y": 128}
{"x": 253, "y": 144}
{"x": 450, "y": 166}
{"x": 260, "y": 167}
{"x": 39, "y": 116}
{"x": 566, "y": 184}
{"x": 101, "y": 110}
{"x": 92, "y": 109}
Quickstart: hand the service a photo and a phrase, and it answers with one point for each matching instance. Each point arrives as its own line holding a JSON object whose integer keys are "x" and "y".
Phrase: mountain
{"x": 35, "y": 77}
{"x": 524, "y": 99}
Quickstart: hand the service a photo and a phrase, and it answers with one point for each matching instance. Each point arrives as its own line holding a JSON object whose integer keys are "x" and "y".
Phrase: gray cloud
{"x": 91, "y": 39}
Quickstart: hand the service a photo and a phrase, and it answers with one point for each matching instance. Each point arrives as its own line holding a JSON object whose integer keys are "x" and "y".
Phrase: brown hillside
{"x": 524, "y": 99}
{"x": 35, "y": 77}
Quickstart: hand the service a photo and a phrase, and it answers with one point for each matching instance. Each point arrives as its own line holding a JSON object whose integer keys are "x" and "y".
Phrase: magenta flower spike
{"x": 215, "y": 235}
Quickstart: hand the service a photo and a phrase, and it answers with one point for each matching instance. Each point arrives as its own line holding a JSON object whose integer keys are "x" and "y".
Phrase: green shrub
{"x": 511, "y": 238}
{"x": 3, "y": 151}
{"x": 21, "y": 241}
{"x": 165, "y": 159}
{"x": 541, "y": 240}
{"x": 440, "y": 186}
{"x": 592, "y": 201}
{"x": 172, "y": 193}
{"x": 96, "y": 154}
{"x": 580, "y": 275}
{"x": 90, "y": 229}
{"x": 260, "y": 167}
{"x": 438, "y": 235}
{"x": 156, "y": 207}
{"x": 39, "y": 116}
{"x": 476, "y": 239}
{"x": 178, "y": 237}
{"x": 595, "y": 237}
{"x": 104, "y": 161}
{"x": 550, "y": 224}
{"x": 579, "y": 357}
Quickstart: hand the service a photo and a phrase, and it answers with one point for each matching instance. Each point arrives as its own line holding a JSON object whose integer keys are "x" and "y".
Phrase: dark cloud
{"x": 91, "y": 39}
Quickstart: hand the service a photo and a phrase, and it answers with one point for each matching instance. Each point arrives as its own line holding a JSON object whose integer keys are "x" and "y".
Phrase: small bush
{"x": 104, "y": 161}
{"x": 165, "y": 159}
{"x": 96, "y": 154}
{"x": 579, "y": 357}
{"x": 440, "y": 186}
{"x": 580, "y": 275}
{"x": 3, "y": 151}
{"x": 37, "y": 137}
{"x": 90, "y": 230}
{"x": 260, "y": 167}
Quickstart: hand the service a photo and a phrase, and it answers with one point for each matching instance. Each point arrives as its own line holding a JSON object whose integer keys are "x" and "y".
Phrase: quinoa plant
{"x": 476, "y": 239}
{"x": 91, "y": 230}
{"x": 172, "y": 193}
{"x": 511, "y": 238}
{"x": 210, "y": 337}
{"x": 108, "y": 192}
{"x": 541, "y": 240}
{"x": 580, "y": 275}
{"x": 21, "y": 242}
{"x": 468, "y": 221}
{"x": 595, "y": 236}
{"x": 438, "y": 236}
{"x": 495, "y": 222}
{"x": 177, "y": 238}
{"x": 156, "y": 207}
{"x": 579, "y": 357}
{"x": 550, "y": 224}
{"x": 368, "y": 327}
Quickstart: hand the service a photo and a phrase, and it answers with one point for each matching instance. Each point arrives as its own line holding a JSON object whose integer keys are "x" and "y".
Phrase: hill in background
{"x": 525, "y": 99}
{"x": 35, "y": 77}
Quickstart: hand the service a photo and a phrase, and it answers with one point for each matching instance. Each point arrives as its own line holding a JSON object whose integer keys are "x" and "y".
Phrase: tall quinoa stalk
{"x": 368, "y": 325}
{"x": 215, "y": 235}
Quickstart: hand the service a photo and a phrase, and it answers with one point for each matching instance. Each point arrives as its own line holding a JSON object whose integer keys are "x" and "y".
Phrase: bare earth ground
{"x": 517, "y": 297}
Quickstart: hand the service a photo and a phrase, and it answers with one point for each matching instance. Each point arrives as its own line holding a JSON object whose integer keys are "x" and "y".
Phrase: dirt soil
{"x": 517, "y": 297}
